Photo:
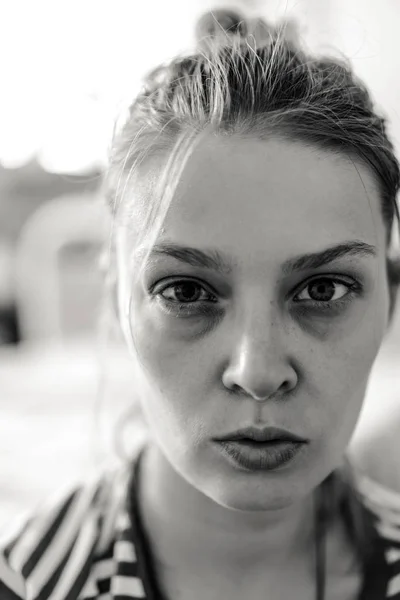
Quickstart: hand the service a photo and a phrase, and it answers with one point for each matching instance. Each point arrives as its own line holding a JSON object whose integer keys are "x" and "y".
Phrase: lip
{"x": 260, "y": 456}
{"x": 266, "y": 434}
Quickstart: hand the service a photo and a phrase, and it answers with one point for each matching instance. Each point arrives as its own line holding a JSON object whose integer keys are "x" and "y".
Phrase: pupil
{"x": 187, "y": 292}
{"x": 326, "y": 289}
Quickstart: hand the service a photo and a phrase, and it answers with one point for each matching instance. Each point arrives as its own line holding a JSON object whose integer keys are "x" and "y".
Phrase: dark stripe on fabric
{"x": 125, "y": 535}
{"x": 131, "y": 597}
{"x": 7, "y": 594}
{"x": 49, "y": 586}
{"x": 394, "y": 569}
{"x": 392, "y": 543}
{"x": 128, "y": 569}
{"x": 82, "y": 577}
{"x": 104, "y": 585}
{"x": 145, "y": 560}
{"x": 48, "y": 536}
{"x": 107, "y": 553}
{"x": 376, "y": 572}
{"x": 7, "y": 549}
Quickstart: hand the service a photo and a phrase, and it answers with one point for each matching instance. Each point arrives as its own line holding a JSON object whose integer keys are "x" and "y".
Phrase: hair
{"x": 253, "y": 80}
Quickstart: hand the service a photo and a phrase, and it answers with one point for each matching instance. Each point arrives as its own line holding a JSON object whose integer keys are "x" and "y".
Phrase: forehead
{"x": 272, "y": 195}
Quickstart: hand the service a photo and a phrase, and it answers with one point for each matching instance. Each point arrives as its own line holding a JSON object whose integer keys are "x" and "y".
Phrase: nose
{"x": 259, "y": 366}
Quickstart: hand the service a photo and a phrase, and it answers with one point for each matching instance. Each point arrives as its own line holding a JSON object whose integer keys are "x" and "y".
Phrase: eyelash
{"x": 185, "y": 309}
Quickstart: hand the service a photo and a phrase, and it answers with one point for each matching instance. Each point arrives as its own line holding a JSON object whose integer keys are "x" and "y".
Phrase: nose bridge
{"x": 259, "y": 364}
{"x": 257, "y": 324}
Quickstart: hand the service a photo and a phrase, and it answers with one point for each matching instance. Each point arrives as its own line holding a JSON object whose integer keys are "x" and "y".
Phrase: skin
{"x": 260, "y": 359}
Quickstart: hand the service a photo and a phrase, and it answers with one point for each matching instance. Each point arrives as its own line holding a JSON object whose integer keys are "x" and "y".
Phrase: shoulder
{"x": 380, "y": 493}
{"x": 56, "y": 547}
{"x": 376, "y": 464}
{"x": 383, "y": 500}
{"x": 375, "y": 457}
{"x": 376, "y": 451}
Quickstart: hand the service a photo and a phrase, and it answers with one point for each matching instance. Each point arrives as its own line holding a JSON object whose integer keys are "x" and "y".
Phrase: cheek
{"x": 173, "y": 373}
{"x": 174, "y": 351}
{"x": 166, "y": 358}
{"x": 344, "y": 378}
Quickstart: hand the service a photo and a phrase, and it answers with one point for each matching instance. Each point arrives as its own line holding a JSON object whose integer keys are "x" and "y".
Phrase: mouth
{"x": 247, "y": 443}
{"x": 254, "y": 450}
{"x": 256, "y": 437}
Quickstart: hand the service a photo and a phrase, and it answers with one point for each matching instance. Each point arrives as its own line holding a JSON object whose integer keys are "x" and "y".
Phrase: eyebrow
{"x": 215, "y": 260}
{"x": 314, "y": 260}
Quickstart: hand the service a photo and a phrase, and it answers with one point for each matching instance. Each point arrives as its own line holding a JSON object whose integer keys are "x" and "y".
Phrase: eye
{"x": 326, "y": 292}
{"x": 186, "y": 297}
{"x": 185, "y": 292}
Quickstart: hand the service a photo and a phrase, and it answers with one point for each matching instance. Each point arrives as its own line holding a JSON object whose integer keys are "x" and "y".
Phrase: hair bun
{"x": 217, "y": 24}
{"x": 220, "y": 21}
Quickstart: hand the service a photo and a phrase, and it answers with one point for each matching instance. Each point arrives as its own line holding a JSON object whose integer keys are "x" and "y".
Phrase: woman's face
{"x": 265, "y": 339}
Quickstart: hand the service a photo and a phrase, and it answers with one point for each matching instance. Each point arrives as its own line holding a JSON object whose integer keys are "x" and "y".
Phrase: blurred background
{"x": 68, "y": 70}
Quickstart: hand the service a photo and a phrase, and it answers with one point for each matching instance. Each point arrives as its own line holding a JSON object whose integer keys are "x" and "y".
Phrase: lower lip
{"x": 260, "y": 456}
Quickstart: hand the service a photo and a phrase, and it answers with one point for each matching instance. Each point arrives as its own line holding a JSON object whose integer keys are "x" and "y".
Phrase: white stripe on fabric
{"x": 123, "y": 521}
{"x": 393, "y": 587}
{"x": 73, "y": 521}
{"x": 379, "y": 494}
{"x": 77, "y": 559}
{"x": 89, "y": 590}
{"x": 104, "y": 569}
{"x": 388, "y": 531}
{"x": 125, "y": 551}
{"x": 392, "y": 554}
{"x": 29, "y": 539}
{"x": 101, "y": 570}
{"x": 127, "y": 586}
{"x": 116, "y": 490}
{"x": 13, "y": 580}
{"x": 382, "y": 512}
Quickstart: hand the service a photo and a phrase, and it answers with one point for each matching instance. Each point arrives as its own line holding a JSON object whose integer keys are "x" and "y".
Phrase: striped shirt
{"x": 89, "y": 544}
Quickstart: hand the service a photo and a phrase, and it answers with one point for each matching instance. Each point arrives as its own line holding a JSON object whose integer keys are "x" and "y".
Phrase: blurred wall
{"x": 24, "y": 189}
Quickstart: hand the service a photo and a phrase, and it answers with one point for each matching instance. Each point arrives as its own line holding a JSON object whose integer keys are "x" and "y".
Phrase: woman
{"x": 253, "y": 192}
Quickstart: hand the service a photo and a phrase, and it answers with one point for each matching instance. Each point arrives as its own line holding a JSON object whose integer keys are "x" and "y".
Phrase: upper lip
{"x": 266, "y": 434}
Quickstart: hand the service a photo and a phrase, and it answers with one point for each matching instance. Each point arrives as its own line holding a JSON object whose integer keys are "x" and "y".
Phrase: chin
{"x": 254, "y": 497}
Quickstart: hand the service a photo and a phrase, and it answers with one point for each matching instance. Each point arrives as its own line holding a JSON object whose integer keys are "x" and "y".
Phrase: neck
{"x": 188, "y": 527}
